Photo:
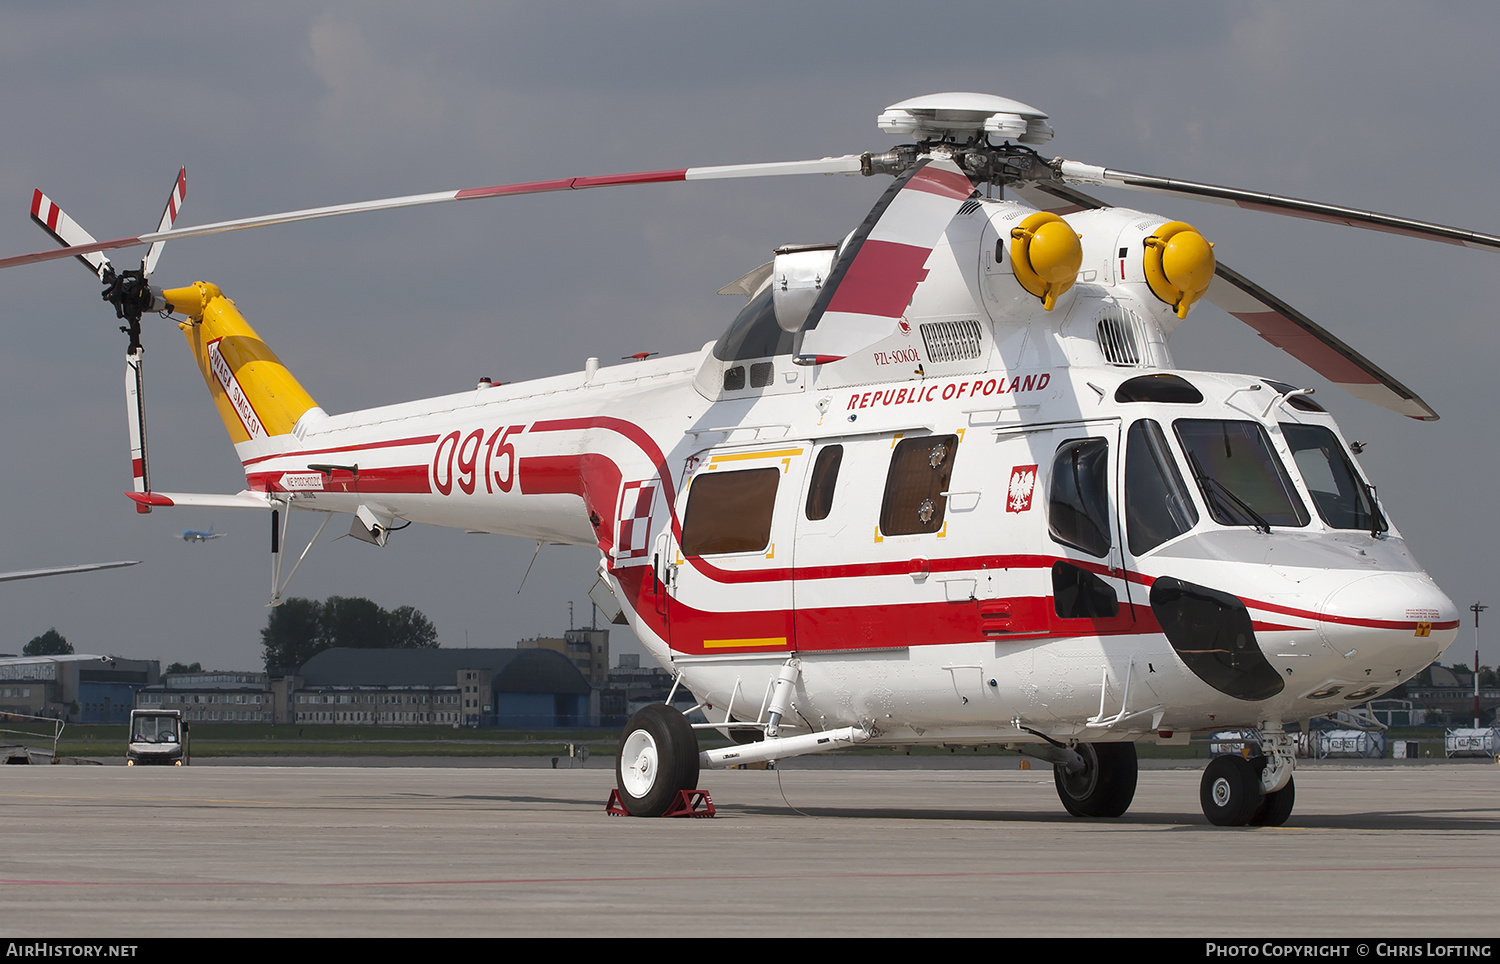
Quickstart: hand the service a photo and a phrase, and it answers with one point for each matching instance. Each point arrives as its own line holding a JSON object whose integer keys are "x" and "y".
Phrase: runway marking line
{"x": 734, "y": 878}
{"x": 73, "y": 796}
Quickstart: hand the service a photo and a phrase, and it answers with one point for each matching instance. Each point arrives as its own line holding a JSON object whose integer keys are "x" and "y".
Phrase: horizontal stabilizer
{"x": 240, "y": 500}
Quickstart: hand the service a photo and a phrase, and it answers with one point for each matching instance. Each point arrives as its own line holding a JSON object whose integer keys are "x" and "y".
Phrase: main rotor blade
{"x": 62, "y": 571}
{"x": 847, "y": 164}
{"x": 1273, "y": 319}
{"x": 1313, "y": 345}
{"x": 1074, "y": 172}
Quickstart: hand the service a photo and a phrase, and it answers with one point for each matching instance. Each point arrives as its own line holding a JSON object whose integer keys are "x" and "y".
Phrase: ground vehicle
{"x": 158, "y": 738}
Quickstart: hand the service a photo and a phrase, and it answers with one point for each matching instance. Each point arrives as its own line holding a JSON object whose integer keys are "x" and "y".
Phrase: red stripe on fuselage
{"x": 407, "y": 479}
{"x": 297, "y": 453}
{"x": 595, "y": 478}
{"x": 638, "y": 436}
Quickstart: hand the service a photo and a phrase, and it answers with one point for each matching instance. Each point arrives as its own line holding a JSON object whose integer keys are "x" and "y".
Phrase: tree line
{"x": 299, "y": 629}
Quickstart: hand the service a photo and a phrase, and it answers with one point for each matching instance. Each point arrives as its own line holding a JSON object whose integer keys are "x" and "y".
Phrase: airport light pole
{"x": 1477, "y": 608}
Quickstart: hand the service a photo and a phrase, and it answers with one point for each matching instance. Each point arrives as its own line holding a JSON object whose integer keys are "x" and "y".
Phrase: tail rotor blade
{"x": 168, "y": 218}
{"x": 135, "y": 410}
{"x": 68, "y": 233}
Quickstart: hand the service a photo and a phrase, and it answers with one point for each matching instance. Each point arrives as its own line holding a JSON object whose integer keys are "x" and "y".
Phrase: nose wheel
{"x": 658, "y": 758}
{"x": 1232, "y": 796}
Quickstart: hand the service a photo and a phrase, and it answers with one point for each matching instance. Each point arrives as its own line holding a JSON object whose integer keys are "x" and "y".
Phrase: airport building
{"x": 444, "y": 687}
{"x": 79, "y": 691}
{"x": 630, "y": 687}
{"x": 588, "y": 649}
{"x": 215, "y": 697}
{"x": 1447, "y": 697}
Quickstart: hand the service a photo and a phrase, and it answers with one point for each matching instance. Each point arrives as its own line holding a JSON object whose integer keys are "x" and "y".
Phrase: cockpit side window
{"x": 1078, "y": 496}
{"x": 1342, "y": 498}
{"x": 1157, "y": 504}
{"x": 1242, "y": 480}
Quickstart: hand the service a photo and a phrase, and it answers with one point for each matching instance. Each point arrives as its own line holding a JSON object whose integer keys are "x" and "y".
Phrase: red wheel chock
{"x": 689, "y": 803}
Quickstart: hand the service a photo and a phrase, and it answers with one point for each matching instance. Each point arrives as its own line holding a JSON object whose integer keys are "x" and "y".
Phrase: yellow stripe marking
{"x": 737, "y": 643}
{"x": 742, "y": 456}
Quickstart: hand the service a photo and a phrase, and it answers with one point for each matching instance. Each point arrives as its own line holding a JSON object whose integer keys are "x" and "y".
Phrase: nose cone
{"x": 1388, "y": 607}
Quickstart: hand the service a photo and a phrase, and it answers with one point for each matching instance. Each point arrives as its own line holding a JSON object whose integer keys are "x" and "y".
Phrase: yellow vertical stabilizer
{"x": 256, "y": 396}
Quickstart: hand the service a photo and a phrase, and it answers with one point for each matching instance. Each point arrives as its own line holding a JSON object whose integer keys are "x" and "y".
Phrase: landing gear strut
{"x": 1104, "y": 785}
{"x": 658, "y": 758}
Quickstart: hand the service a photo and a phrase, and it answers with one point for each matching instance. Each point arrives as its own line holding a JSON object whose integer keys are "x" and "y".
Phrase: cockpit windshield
{"x": 1342, "y": 498}
{"x": 1242, "y": 480}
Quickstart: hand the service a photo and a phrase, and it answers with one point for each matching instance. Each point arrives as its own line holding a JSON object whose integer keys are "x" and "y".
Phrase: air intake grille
{"x": 948, "y": 341}
{"x": 1121, "y": 338}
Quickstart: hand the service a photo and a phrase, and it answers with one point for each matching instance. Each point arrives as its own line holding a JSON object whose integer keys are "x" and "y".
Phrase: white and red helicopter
{"x": 939, "y": 483}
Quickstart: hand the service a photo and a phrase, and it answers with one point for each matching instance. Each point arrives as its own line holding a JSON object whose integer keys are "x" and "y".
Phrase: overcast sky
{"x": 271, "y": 106}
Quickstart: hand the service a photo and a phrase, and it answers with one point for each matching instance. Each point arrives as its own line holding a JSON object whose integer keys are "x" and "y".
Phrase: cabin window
{"x": 916, "y": 485}
{"x": 1078, "y": 501}
{"x": 762, "y": 374}
{"x": 730, "y": 512}
{"x": 825, "y": 476}
{"x": 1158, "y": 388}
{"x": 1157, "y": 504}
{"x": 1242, "y": 480}
{"x": 1342, "y": 498}
{"x": 1079, "y": 594}
{"x": 734, "y": 378}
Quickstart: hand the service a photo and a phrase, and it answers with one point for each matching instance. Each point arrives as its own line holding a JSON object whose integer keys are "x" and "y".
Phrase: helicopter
{"x": 939, "y": 483}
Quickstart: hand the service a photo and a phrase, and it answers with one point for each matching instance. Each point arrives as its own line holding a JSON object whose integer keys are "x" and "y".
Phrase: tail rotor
{"x": 132, "y": 296}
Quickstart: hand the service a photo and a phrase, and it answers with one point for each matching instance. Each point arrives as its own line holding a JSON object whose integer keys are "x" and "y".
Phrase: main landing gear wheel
{"x": 1106, "y": 785}
{"x": 1276, "y": 807}
{"x": 658, "y": 758}
{"x": 1230, "y": 791}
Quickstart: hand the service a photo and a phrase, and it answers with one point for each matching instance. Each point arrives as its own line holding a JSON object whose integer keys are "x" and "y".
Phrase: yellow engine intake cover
{"x": 1045, "y": 255}
{"x": 1179, "y": 265}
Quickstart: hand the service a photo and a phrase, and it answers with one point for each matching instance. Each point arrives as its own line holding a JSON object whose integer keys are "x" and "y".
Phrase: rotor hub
{"x": 964, "y": 117}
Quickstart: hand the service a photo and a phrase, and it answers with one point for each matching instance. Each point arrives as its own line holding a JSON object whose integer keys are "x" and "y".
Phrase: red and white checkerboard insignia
{"x": 1022, "y": 484}
{"x": 633, "y": 541}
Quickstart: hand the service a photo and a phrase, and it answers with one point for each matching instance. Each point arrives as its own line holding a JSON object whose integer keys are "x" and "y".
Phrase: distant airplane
{"x": 198, "y": 535}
